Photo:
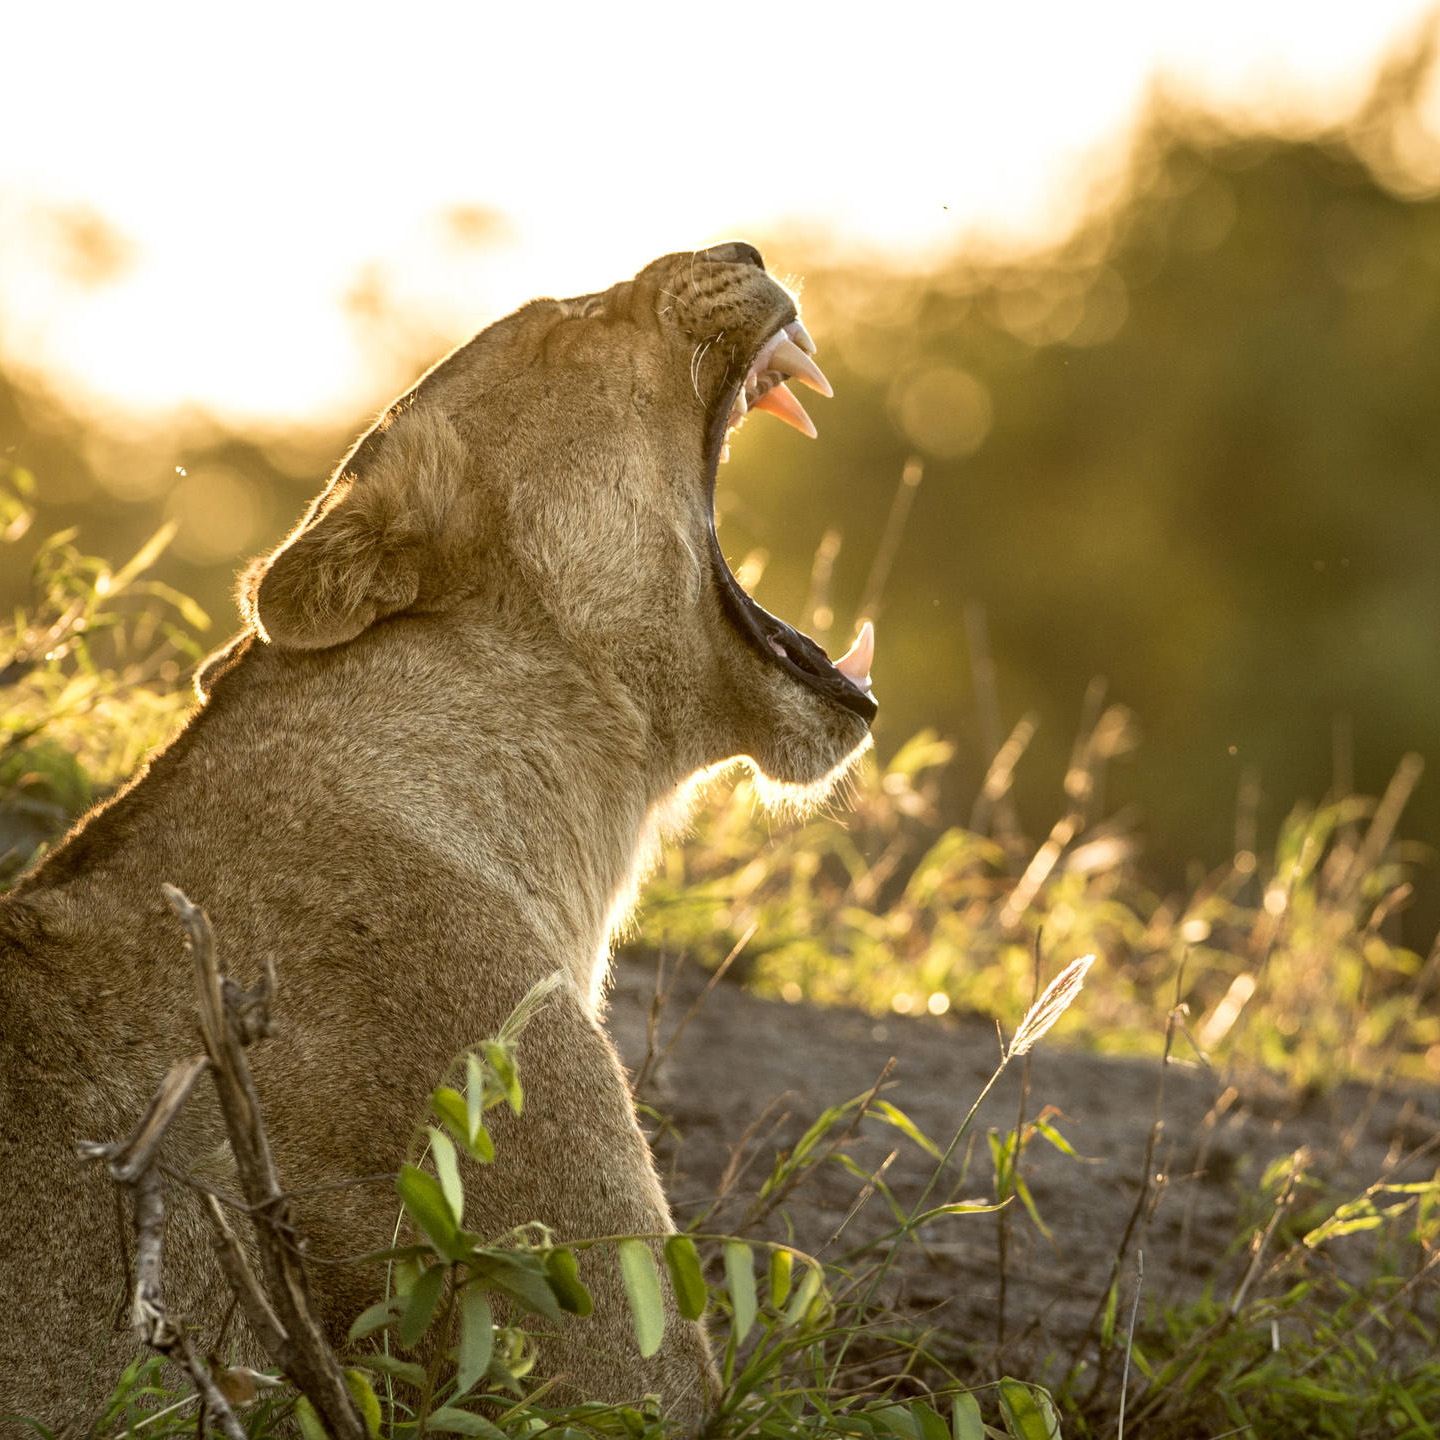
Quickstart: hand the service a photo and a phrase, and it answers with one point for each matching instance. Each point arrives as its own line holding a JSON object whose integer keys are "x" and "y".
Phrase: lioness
{"x": 479, "y": 671}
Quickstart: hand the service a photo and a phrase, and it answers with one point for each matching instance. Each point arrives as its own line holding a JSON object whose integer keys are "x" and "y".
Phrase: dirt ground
{"x": 1217, "y": 1135}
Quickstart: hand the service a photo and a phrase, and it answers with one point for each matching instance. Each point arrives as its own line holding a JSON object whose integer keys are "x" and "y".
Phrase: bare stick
{"x": 229, "y": 1019}
{"x": 263, "y": 1320}
{"x": 148, "y": 1315}
{"x": 284, "y": 1321}
{"x": 877, "y": 1178}
{"x": 128, "y": 1159}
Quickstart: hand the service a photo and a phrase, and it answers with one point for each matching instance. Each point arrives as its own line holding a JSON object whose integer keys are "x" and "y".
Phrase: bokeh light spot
{"x": 944, "y": 411}
{"x": 219, "y": 514}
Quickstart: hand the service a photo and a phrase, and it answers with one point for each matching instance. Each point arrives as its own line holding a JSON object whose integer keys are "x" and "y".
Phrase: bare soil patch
{"x": 740, "y": 1054}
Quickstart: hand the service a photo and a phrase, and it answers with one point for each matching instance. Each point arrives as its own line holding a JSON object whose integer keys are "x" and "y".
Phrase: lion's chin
{"x": 797, "y": 798}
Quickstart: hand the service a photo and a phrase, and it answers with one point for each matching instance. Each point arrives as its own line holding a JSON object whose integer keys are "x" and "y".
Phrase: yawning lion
{"x": 494, "y": 651}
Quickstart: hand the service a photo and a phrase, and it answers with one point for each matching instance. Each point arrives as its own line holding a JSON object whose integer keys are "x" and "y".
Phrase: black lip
{"x": 803, "y": 658}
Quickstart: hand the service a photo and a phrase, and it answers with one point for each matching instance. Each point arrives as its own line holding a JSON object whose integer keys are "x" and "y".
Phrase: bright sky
{"x": 259, "y": 157}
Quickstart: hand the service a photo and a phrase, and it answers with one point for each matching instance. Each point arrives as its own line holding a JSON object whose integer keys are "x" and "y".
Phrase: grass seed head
{"x": 1052, "y": 1004}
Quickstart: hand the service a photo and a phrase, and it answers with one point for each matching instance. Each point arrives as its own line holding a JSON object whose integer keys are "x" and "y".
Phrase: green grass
{"x": 1279, "y": 956}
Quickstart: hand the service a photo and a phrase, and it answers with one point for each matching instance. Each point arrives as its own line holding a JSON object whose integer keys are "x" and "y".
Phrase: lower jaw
{"x": 759, "y": 627}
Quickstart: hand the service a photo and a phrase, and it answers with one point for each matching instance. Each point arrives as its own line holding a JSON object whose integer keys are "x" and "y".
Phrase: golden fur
{"x": 473, "y": 677}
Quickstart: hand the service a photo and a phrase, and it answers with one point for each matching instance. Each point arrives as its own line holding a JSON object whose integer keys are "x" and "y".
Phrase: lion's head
{"x": 556, "y": 475}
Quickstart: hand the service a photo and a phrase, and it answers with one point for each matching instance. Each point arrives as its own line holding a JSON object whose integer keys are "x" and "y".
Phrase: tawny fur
{"x": 474, "y": 678}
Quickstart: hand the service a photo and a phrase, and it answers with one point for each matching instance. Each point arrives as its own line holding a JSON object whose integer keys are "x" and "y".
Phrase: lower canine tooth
{"x": 724, "y": 453}
{"x": 784, "y": 406}
{"x": 855, "y": 663}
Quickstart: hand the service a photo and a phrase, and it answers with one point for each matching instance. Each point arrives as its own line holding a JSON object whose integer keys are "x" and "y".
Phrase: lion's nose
{"x": 734, "y": 252}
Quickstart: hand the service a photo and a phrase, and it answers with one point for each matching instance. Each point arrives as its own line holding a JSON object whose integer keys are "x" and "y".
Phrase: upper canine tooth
{"x": 762, "y": 360}
{"x": 801, "y": 336}
{"x": 789, "y": 358}
{"x": 739, "y": 405}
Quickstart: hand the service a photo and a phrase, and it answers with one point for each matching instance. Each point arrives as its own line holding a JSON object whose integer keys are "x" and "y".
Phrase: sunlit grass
{"x": 1281, "y": 957}
{"x": 1286, "y": 959}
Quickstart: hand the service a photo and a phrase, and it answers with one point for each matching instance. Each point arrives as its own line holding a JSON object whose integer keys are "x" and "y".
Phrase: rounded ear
{"x": 363, "y": 550}
{"x": 346, "y": 566}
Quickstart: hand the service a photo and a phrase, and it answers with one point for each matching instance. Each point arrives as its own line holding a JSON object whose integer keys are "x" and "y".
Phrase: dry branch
{"x": 279, "y": 1311}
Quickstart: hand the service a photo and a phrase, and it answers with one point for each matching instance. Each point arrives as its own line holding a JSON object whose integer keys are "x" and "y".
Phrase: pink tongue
{"x": 855, "y": 663}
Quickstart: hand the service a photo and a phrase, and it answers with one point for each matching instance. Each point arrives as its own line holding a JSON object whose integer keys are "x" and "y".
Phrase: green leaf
{"x": 932, "y": 1427}
{"x": 462, "y": 1422}
{"x": 1001, "y": 1155}
{"x": 427, "y": 1206}
{"x": 896, "y": 1420}
{"x": 309, "y": 1421}
{"x": 1333, "y": 1228}
{"x": 1027, "y": 1411}
{"x": 959, "y": 1207}
{"x": 448, "y": 1106}
{"x": 193, "y": 615}
{"x": 380, "y": 1314}
{"x": 965, "y": 1421}
{"x": 562, "y": 1271}
{"x": 502, "y": 1062}
{"x": 366, "y": 1401}
{"x": 740, "y": 1277}
{"x": 474, "y": 1095}
{"x": 519, "y": 1275}
{"x": 421, "y": 1307}
{"x": 453, "y": 1110}
{"x": 810, "y": 1290}
{"x": 144, "y": 557}
{"x": 781, "y": 1264}
{"x": 483, "y": 1147}
{"x": 447, "y": 1167}
{"x": 1027, "y": 1200}
{"x": 642, "y": 1287}
{"x": 477, "y": 1340}
{"x": 889, "y": 1113}
{"x": 1107, "y": 1324}
{"x": 686, "y": 1280}
{"x": 397, "y": 1369}
{"x": 1056, "y": 1138}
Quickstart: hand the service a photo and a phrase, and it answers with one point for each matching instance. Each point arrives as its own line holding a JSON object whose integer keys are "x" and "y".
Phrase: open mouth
{"x": 846, "y": 681}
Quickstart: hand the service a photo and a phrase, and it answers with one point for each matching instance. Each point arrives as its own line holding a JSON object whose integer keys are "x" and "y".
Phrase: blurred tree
{"x": 1192, "y": 448}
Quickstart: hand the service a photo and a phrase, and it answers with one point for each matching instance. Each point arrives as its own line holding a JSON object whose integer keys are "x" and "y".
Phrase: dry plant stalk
{"x": 280, "y": 1311}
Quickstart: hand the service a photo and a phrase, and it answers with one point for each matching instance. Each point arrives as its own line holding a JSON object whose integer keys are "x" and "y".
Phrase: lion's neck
{"x": 527, "y": 775}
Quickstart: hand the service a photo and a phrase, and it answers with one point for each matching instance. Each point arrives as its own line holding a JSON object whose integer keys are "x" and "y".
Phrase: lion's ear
{"x": 336, "y": 575}
{"x": 361, "y": 553}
